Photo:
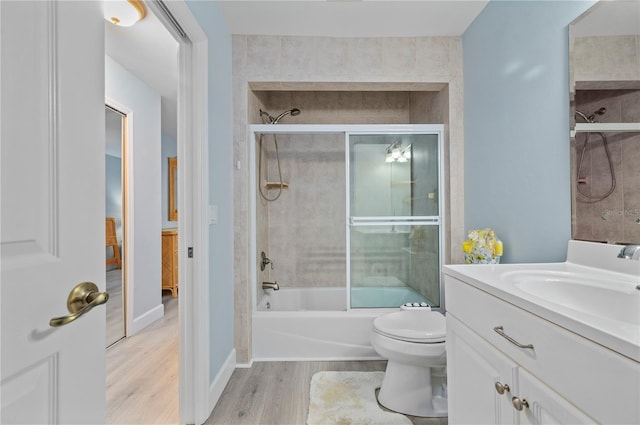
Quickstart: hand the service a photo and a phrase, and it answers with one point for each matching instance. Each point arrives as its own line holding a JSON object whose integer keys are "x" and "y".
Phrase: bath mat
{"x": 348, "y": 398}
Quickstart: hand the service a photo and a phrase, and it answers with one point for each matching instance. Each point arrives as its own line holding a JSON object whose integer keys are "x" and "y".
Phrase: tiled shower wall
{"x": 319, "y": 64}
{"x": 616, "y": 218}
{"x": 307, "y": 221}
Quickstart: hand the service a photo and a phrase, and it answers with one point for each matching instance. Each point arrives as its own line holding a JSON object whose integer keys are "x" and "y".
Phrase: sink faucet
{"x": 630, "y": 252}
{"x": 270, "y": 285}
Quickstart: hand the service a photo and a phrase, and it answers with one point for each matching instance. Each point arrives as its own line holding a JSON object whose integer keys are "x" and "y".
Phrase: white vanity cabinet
{"x": 483, "y": 383}
{"x": 554, "y": 377}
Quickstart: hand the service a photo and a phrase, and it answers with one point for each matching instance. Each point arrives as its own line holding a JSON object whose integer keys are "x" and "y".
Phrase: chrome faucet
{"x": 630, "y": 252}
{"x": 270, "y": 285}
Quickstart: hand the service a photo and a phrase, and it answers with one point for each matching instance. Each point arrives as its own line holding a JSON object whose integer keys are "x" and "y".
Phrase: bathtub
{"x": 314, "y": 324}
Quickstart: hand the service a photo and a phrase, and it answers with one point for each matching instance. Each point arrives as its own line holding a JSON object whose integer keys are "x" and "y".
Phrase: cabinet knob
{"x": 501, "y": 388}
{"x": 519, "y": 404}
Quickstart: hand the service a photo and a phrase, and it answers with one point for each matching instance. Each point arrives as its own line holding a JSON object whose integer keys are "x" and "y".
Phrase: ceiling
{"x": 148, "y": 50}
{"x": 351, "y": 18}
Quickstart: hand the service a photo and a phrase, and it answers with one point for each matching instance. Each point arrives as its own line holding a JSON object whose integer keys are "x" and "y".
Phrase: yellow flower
{"x": 497, "y": 248}
{"x": 467, "y": 246}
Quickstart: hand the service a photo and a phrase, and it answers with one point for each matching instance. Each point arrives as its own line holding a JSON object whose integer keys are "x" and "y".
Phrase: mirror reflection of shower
{"x": 588, "y": 197}
{"x": 267, "y": 118}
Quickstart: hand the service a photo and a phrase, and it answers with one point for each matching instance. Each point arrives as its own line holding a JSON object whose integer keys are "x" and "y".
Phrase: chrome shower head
{"x": 601, "y": 111}
{"x": 293, "y": 112}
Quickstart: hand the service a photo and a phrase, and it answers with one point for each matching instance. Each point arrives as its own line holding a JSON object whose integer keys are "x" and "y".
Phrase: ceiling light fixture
{"x": 124, "y": 13}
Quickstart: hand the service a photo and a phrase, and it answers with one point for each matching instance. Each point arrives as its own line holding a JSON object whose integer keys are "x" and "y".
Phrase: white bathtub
{"x": 313, "y": 324}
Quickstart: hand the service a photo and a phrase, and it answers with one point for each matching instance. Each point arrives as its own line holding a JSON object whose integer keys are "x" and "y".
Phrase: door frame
{"x": 193, "y": 229}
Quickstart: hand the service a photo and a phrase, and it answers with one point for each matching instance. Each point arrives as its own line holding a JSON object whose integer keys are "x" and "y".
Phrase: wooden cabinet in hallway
{"x": 170, "y": 261}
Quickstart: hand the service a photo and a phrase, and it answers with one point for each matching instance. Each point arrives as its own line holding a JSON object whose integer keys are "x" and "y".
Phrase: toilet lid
{"x": 412, "y": 326}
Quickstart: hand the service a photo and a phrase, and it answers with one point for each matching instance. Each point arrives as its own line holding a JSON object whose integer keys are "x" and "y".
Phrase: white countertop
{"x": 617, "y": 335}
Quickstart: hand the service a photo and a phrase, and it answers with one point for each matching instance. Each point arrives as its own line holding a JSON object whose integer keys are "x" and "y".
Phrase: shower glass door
{"x": 394, "y": 219}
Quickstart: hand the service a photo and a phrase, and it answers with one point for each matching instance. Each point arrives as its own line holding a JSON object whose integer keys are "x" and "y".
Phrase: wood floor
{"x": 277, "y": 393}
{"x": 142, "y": 373}
{"x": 142, "y": 383}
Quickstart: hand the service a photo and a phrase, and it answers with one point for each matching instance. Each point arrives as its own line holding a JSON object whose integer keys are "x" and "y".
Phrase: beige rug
{"x": 348, "y": 398}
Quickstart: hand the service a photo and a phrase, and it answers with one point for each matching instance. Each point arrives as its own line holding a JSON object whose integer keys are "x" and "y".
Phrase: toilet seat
{"x": 427, "y": 327}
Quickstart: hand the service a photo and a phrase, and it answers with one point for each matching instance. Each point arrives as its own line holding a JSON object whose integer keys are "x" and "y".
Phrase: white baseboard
{"x": 144, "y": 320}
{"x": 221, "y": 380}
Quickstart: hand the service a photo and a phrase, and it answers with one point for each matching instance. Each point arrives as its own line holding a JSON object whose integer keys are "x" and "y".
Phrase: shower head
{"x": 591, "y": 118}
{"x": 271, "y": 120}
{"x": 293, "y": 112}
{"x": 601, "y": 111}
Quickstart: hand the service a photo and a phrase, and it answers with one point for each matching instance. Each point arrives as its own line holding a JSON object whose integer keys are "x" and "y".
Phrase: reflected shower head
{"x": 271, "y": 120}
{"x": 293, "y": 112}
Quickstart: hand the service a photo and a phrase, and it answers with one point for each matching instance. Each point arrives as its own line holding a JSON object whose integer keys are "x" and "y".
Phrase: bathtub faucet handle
{"x": 265, "y": 260}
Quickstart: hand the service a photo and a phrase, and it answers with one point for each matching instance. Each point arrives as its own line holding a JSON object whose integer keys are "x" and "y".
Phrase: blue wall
{"x": 211, "y": 20}
{"x": 516, "y": 121}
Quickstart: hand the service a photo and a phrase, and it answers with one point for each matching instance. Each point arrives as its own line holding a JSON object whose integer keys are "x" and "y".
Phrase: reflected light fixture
{"x": 124, "y": 13}
{"x": 406, "y": 153}
{"x": 395, "y": 152}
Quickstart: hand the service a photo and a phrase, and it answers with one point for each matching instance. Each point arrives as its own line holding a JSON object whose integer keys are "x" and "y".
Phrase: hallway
{"x": 142, "y": 373}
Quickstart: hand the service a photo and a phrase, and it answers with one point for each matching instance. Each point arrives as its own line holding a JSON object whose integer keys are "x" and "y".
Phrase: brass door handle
{"x": 83, "y": 297}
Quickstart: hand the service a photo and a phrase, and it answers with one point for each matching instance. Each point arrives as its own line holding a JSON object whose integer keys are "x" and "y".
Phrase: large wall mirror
{"x": 604, "y": 48}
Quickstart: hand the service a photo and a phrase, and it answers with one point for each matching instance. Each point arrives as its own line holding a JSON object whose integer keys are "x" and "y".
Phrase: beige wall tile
{"x": 238, "y": 54}
{"x": 263, "y": 56}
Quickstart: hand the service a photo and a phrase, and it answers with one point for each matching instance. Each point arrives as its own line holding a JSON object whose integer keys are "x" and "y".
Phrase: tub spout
{"x": 270, "y": 285}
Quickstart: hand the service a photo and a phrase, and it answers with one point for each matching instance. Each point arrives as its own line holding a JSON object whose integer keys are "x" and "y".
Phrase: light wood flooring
{"x": 142, "y": 373}
{"x": 142, "y": 382}
{"x": 114, "y": 307}
{"x": 277, "y": 393}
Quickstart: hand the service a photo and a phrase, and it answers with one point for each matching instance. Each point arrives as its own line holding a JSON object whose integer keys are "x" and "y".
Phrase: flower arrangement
{"x": 482, "y": 247}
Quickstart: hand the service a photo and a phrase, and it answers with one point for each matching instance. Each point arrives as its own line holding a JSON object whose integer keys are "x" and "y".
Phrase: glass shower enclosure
{"x": 394, "y": 219}
{"x": 388, "y": 250}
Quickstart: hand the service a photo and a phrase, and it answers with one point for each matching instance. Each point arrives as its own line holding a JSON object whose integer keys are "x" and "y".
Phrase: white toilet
{"x": 414, "y": 344}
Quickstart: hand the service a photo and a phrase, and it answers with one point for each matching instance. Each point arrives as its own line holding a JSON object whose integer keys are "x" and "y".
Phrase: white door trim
{"x": 193, "y": 201}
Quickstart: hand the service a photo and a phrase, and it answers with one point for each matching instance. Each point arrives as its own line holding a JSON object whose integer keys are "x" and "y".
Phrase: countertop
{"x": 617, "y": 335}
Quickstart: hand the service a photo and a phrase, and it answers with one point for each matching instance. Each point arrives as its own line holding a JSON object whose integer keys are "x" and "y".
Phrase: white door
{"x": 52, "y": 216}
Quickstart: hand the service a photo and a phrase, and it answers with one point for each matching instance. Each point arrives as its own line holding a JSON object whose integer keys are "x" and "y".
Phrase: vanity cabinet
{"x": 487, "y": 387}
{"x": 170, "y": 261}
{"x": 553, "y": 376}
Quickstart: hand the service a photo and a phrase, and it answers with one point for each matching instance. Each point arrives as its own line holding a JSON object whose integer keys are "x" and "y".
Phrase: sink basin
{"x": 603, "y": 296}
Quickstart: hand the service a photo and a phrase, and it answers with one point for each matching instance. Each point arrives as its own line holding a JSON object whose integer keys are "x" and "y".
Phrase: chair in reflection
{"x": 112, "y": 241}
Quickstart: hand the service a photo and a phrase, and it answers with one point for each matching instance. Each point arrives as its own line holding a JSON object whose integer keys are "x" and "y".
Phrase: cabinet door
{"x": 545, "y": 406}
{"x": 473, "y": 369}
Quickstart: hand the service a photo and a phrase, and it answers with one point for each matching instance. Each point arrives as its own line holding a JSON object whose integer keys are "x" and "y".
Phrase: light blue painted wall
{"x": 516, "y": 121}
{"x": 169, "y": 150}
{"x": 144, "y": 103}
{"x": 211, "y": 19}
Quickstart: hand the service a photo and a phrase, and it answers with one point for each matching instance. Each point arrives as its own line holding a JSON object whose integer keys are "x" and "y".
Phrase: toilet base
{"x": 409, "y": 389}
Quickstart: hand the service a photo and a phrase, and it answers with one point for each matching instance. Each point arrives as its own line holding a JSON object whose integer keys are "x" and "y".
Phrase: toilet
{"x": 413, "y": 342}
